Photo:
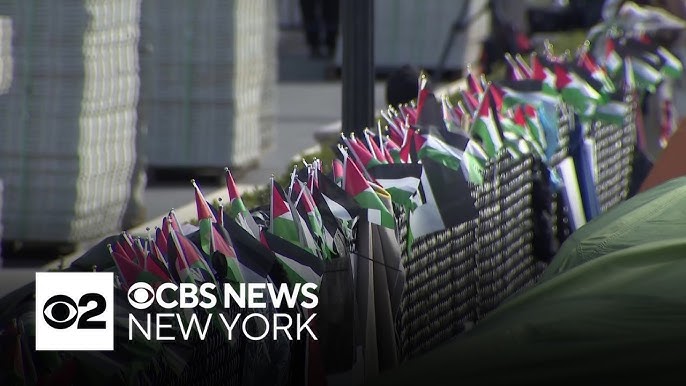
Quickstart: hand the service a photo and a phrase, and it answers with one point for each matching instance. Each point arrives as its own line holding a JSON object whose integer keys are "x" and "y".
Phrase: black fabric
{"x": 545, "y": 241}
{"x": 564, "y": 226}
{"x": 642, "y": 165}
{"x": 253, "y": 254}
{"x": 335, "y": 315}
{"x": 450, "y": 191}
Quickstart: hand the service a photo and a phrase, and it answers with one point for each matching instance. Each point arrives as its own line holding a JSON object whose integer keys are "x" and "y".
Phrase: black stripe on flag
{"x": 294, "y": 252}
{"x": 451, "y": 193}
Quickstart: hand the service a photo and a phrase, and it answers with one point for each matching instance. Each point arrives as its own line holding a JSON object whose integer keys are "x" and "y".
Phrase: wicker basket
{"x": 455, "y": 277}
{"x": 614, "y": 147}
{"x": 441, "y": 288}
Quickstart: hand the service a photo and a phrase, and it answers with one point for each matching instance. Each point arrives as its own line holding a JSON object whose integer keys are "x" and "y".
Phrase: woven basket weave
{"x": 455, "y": 277}
{"x": 614, "y": 148}
{"x": 505, "y": 231}
{"x": 440, "y": 291}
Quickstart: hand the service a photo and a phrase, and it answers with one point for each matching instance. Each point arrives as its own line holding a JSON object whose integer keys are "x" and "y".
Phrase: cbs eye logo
{"x": 141, "y": 295}
{"x": 61, "y": 311}
{"x": 74, "y": 311}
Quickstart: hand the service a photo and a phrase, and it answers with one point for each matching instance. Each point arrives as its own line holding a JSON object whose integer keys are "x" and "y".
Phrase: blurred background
{"x": 109, "y": 107}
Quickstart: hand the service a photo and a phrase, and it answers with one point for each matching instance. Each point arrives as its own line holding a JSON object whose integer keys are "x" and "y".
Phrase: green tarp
{"x": 610, "y": 308}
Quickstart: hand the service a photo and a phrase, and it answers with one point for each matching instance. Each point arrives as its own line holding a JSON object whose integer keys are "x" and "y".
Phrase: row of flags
{"x": 424, "y": 157}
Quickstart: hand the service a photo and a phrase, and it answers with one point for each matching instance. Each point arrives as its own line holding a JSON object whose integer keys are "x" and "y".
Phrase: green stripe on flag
{"x": 285, "y": 228}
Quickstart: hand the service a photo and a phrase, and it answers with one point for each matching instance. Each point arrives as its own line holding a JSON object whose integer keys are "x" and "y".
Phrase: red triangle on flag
{"x": 519, "y": 117}
{"x": 562, "y": 78}
{"x": 537, "y": 68}
{"x": 355, "y": 183}
{"x": 128, "y": 269}
{"x": 231, "y": 186}
{"x": 337, "y": 169}
{"x": 473, "y": 85}
{"x": 364, "y": 156}
{"x": 279, "y": 204}
{"x": 201, "y": 204}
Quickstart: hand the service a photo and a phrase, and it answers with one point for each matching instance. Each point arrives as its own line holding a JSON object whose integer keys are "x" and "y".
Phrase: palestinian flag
{"x": 645, "y": 64}
{"x": 337, "y": 171}
{"x": 205, "y": 220}
{"x": 161, "y": 239}
{"x": 251, "y": 253}
{"x": 237, "y": 210}
{"x": 310, "y": 219}
{"x": 392, "y": 151}
{"x": 655, "y": 55}
{"x": 486, "y": 128}
{"x": 429, "y": 146}
{"x": 473, "y": 85}
{"x": 613, "y": 112}
{"x": 360, "y": 154}
{"x": 445, "y": 200}
{"x": 541, "y": 70}
{"x": 188, "y": 263}
{"x": 330, "y": 223}
{"x": 337, "y": 200}
{"x": 159, "y": 258}
{"x": 524, "y": 92}
{"x": 365, "y": 196}
{"x": 300, "y": 265}
{"x": 470, "y": 101}
{"x": 127, "y": 248}
{"x": 224, "y": 258}
{"x": 395, "y": 132}
{"x": 671, "y": 65}
{"x": 613, "y": 61}
{"x": 407, "y": 148}
{"x": 515, "y": 69}
{"x": 376, "y": 150}
{"x": 282, "y": 221}
{"x": 451, "y": 116}
{"x": 525, "y": 116}
{"x": 646, "y": 76}
{"x": 589, "y": 65}
{"x": 173, "y": 222}
{"x": 131, "y": 272}
{"x": 400, "y": 181}
{"x": 577, "y": 92}
{"x": 517, "y": 138}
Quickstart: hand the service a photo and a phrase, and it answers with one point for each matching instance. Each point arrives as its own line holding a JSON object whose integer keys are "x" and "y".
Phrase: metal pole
{"x": 357, "y": 23}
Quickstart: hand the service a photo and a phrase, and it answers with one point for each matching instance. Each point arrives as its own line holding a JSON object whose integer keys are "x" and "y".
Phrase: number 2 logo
{"x": 61, "y": 312}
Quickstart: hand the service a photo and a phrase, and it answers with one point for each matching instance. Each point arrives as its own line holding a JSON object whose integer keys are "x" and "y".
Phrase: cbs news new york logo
{"x": 74, "y": 311}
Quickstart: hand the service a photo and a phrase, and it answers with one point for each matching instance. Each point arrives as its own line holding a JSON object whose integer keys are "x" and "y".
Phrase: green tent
{"x": 610, "y": 308}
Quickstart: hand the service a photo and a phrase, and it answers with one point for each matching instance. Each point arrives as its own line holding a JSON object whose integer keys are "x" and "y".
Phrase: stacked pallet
{"x": 68, "y": 145}
{"x": 205, "y": 75}
{"x": 5, "y": 80}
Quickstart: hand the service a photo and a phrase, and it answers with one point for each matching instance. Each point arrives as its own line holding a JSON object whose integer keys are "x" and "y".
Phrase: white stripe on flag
{"x": 425, "y": 219}
{"x": 571, "y": 183}
{"x": 337, "y": 209}
{"x": 408, "y": 184}
{"x": 303, "y": 271}
{"x": 374, "y": 216}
